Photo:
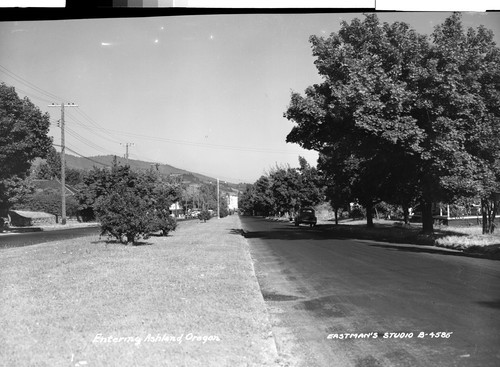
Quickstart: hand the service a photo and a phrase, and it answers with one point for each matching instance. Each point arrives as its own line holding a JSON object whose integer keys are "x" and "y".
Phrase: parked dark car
{"x": 306, "y": 216}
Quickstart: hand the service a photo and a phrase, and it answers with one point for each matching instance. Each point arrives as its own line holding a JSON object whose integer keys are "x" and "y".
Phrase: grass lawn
{"x": 189, "y": 299}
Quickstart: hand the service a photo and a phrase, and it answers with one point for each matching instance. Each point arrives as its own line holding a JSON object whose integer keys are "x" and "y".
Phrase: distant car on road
{"x": 306, "y": 216}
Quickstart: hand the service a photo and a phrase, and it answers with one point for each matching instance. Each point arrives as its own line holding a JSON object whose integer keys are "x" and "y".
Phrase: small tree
{"x": 129, "y": 205}
{"x": 123, "y": 214}
{"x": 204, "y": 215}
{"x": 96, "y": 183}
{"x": 162, "y": 195}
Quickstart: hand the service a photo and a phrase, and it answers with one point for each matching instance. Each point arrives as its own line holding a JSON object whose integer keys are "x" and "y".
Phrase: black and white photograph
{"x": 250, "y": 188}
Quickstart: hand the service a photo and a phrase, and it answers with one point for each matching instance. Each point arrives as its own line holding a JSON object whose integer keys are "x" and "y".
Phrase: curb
{"x": 42, "y": 229}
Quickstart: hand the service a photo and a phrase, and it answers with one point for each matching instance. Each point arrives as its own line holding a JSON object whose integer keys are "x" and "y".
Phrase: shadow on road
{"x": 281, "y": 233}
{"x": 320, "y": 232}
{"x": 21, "y": 230}
{"x": 386, "y": 237}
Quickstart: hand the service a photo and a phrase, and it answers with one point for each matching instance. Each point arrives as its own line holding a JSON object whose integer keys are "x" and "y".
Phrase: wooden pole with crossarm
{"x": 63, "y": 161}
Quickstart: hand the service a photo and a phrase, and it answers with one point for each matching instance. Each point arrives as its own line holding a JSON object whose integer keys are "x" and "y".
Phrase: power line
{"x": 201, "y": 145}
{"x": 87, "y": 142}
{"x": 81, "y": 155}
{"x": 112, "y": 132}
{"x": 126, "y": 149}
{"x": 32, "y": 96}
{"x": 93, "y": 129}
{"x": 96, "y": 125}
{"x": 21, "y": 80}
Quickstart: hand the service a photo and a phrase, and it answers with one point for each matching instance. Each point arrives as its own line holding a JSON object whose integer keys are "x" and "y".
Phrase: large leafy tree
{"x": 468, "y": 62}
{"x": 23, "y": 137}
{"x": 398, "y": 109}
{"x": 458, "y": 106}
{"x": 359, "y": 117}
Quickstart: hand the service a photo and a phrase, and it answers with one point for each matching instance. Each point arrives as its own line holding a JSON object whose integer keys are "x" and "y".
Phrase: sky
{"x": 204, "y": 93}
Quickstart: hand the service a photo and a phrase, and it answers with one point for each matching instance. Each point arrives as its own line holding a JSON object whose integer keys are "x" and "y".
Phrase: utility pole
{"x": 126, "y": 150}
{"x": 218, "y": 203}
{"x": 63, "y": 160}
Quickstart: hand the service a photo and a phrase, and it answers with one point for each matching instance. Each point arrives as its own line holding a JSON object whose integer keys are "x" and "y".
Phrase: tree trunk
{"x": 484, "y": 214}
{"x": 336, "y": 210}
{"x": 493, "y": 216}
{"x": 489, "y": 208}
{"x": 406, "y": 214}
{"x": 369, "y": 215}
{"x": 427, "y": 219}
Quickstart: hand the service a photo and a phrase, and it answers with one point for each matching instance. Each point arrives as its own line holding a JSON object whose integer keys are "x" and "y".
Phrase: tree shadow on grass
{"x": 415, "y": 249}
{"x": 492, "y": 304}
{"x": 160, "y": 235}
{"x": 237, "y": 231}
{"x": 489, "y": 251}
{"x": 116, "y": 242}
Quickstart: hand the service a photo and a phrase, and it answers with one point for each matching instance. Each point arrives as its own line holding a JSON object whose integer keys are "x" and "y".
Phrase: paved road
{"x": 32, "y": 238}
{"x": 317, "y": 286}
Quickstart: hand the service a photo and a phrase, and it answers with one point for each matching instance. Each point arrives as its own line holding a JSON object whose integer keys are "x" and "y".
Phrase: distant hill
{"x": 188, "y": 177}
{"x": 107, "y": 160}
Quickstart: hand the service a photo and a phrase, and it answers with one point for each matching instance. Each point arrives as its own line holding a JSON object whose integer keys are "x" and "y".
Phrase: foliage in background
{"x": 50, "y": 169}
{"x": 257, "y": 199}
{"x": 13, "y": 192}
{"x": 208, "y": 197}
{"x": 283, "y": 190}
{"x": 48, "y": 201}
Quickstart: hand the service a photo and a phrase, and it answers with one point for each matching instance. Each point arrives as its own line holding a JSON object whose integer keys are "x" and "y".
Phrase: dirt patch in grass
{"x": 189, "y": 299}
